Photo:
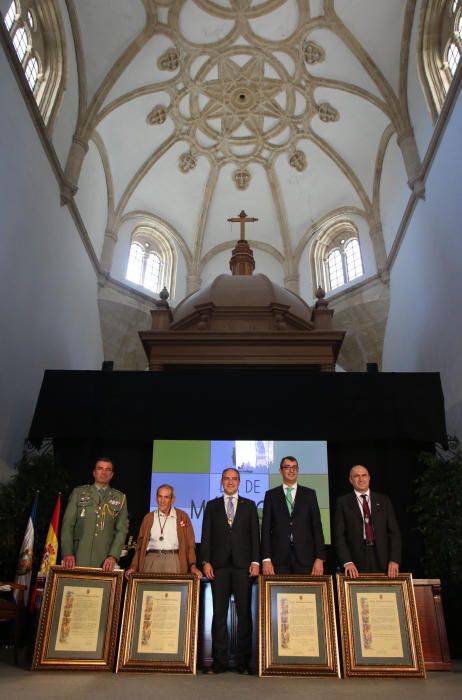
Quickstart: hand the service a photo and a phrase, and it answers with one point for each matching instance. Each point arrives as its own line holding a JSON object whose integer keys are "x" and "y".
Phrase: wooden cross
{"x": 243, "y": 218}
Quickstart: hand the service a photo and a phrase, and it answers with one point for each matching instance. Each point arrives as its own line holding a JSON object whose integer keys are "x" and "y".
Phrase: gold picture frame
{"x": 78, "y": 620}
{"x": 379, "y": 626}
{"x": 160, "y": 624}
{"x": 297, "y": 626}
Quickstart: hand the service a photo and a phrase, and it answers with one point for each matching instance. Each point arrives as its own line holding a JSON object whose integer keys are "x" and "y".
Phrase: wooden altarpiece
{"x": 243, "y": 320}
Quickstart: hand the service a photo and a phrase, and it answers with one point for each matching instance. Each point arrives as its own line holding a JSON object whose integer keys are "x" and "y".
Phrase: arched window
{"x": 135, "y": 263}
{"x": 152, "y": 272}
{"x": 32, "y": 70}
{"x": 439, "y": 49}
{"x": 336, "y": 273}
{"x": 21, "y": 43}
{"x": 336, "y": 256}
{"x": 455, "y": 42}
{"x": 10, "y": 16}
{"x": 344, "y": 262}
{"x": 37, "y": 34}
{"x": 151, "y": 260}
{"x": 353, "y": 260}
{"x": 144, "y": 267}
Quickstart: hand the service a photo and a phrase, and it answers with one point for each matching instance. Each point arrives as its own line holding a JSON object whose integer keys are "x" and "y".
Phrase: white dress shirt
{"x": 165, "y": 528}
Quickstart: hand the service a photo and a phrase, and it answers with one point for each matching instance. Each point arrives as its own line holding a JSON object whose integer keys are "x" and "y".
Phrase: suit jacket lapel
{"x": 283, "y": 502}
{"x": 240, "y": 506}
{"x": 298, "y": 500}
{"x": 376, "y": 507}
{"x": 355, "y": 507}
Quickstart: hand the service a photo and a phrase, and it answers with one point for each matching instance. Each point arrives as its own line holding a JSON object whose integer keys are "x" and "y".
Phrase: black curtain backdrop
{"x": 380, "y": 420}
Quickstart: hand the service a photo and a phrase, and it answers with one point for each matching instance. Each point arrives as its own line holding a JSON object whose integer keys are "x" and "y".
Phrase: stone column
{"x": 376, "y": 234}
{"x": 107, "y": 254}
{"x": 412, "y": 162}
{"x": 74, "y": 163}
{"x": 292, "y": 282}
{"x": 193, "y": 282}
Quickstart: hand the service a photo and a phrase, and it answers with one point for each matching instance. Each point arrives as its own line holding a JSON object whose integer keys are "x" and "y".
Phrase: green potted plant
{"x": 438, "y": 511}
{"x": 37, "y": 470}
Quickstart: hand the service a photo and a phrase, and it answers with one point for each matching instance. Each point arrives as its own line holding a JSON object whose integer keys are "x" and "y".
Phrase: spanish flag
{"x": 50, "y": 552}
{"x": 49, "y": 556}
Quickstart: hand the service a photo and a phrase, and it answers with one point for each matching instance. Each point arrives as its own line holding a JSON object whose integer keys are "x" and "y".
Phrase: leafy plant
{"x": 37, "y": 470}
{"x": 439, "y": 519}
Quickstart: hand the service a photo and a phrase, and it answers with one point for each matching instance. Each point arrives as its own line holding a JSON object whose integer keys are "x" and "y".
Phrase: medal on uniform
{"x": 84, "y": 501}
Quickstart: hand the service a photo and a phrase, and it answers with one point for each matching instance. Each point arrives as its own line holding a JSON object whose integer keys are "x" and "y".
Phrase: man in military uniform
{"x": 95, "y": 522}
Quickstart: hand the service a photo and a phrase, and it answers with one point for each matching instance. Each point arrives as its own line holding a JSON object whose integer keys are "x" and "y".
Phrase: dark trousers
{"x": 230, "y": 580}
{"x": 371, "y": 564}
{"x": 292, "y": 566}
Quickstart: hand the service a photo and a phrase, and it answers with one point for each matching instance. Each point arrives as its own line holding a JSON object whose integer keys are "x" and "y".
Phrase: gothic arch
{"x": 439, "y": 27}
{"x": 334, "y": 240}
{"x": 40, "y": 21}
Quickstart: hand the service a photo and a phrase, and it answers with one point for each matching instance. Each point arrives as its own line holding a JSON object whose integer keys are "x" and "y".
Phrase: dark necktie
{"x": 368, "y": 529}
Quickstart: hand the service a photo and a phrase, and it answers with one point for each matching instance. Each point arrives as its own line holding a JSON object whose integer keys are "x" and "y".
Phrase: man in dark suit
{"x": 292, "y": 540}
{"x": 230, "y": 549}
{"x": 366, "y": 533}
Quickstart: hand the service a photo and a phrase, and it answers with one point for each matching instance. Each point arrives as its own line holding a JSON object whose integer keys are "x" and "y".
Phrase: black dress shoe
{"x": 245, "y": 670}
{"x": 216, "y": 667}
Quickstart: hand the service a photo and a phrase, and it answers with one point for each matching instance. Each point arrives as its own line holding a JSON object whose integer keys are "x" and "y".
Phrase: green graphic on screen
{"x": 194, "y": 467}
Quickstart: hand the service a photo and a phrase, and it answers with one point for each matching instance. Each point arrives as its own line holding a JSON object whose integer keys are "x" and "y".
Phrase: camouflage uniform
{"x": 95, "y": 525}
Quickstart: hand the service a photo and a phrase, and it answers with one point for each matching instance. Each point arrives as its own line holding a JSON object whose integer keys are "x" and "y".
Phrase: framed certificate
{"x": 298, "y": 635}
{"x": 78, "y": 620}
{"x": 380, "y": 631}
{"x": 159, "y": 624}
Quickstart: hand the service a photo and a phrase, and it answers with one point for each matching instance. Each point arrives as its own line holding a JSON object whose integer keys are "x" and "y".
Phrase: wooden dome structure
{"x": 242, "y": 319}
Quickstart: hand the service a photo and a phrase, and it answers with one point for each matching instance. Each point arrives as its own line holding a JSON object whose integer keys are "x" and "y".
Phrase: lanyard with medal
{"x": 162, "y": 527}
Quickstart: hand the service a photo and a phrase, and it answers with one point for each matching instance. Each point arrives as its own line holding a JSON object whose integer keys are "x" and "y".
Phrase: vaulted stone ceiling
{"x": 283, "y": 108}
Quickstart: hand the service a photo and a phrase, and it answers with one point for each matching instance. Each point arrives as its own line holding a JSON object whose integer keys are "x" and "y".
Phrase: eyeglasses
{"x": 291, "y": 467}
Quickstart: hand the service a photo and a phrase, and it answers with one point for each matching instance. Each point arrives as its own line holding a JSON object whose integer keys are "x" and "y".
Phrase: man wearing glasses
{"x": 292, "y": 541}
